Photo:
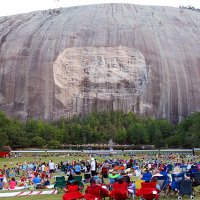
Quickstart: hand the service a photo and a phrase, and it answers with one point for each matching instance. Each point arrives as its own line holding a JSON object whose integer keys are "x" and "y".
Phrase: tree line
{"x": 99, "y": 128}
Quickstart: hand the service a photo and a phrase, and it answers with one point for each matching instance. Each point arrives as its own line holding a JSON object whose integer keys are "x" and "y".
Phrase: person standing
{"x": 77, "y": 169}
{"x": 51, "y": 167}
{"x": 93, "y": 167}
{"x": 43, "y": 167}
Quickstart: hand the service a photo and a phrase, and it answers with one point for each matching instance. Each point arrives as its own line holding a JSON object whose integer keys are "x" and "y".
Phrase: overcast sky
{"x": 9, "y": 7}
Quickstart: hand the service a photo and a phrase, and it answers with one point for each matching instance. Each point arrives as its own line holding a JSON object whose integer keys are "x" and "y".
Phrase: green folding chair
{"x": 79, "y": 180}
{"x": 60, "y": 183}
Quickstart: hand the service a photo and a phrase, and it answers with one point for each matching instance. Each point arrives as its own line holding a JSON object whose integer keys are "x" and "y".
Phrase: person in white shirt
{"x": 93, "y": 167}
{"x": 43, "y": 167}
{"x": 51, "y": 167}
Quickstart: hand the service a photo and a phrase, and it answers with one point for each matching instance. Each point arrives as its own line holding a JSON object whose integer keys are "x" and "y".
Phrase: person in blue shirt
{"x": 146, "y": 176}
{"x": 77, "y": 169}
{"x": 192, "y": 170}
{"x": 36, "y": 180}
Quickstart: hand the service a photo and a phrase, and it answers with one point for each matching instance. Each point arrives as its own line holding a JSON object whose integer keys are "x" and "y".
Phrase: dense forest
{"x": 99, "y": 128}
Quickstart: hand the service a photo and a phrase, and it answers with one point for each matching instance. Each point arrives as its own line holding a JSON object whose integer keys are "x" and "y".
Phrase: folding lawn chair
{"x": 176, "y": 179}
{"x": 87, "y": 177}
{"x": 60, "y": 183}
{"x": 169, "y": 167}
{"x": 162, "y": 182}
{"x": 119, "y": 191}
{"x": 93, "y": 192}
{"x": 195, "y": 177}
{"x": 79, "y": 180}
{"x": 148, "y": 191}
{"x": 73, "y": 193}
{"x": 185, "y": 189}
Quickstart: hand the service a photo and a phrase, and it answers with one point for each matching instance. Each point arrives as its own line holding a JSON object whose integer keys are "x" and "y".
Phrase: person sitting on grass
{"x": 23, "y": 179}
{"x": 12, "y": 183}
{"x": 36, "y": 180}
{"x": 46, "y": 181}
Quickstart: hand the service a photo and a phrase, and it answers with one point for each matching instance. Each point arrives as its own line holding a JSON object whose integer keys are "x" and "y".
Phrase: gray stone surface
{"x": 76, "y": 60}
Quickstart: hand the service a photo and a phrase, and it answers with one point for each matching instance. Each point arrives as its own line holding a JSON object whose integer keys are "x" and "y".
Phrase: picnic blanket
{"x": 26, "y": 193}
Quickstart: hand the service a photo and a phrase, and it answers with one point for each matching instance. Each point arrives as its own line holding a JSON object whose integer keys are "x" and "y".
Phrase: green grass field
{"x": 8, "y": 161}
{"x": 59, "y": 196}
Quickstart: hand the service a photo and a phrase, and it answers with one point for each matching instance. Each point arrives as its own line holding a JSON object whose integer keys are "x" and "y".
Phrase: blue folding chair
{"x": 169, "y": 167}
{"x": 162, "y": 181}
{"x": 176, "y": 179}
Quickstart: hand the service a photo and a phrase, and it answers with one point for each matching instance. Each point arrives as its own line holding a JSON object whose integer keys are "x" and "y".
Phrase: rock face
{"x": 62, "y": 62}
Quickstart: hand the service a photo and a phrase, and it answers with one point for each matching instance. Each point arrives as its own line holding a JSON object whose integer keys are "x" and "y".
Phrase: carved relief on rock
{"x": 113, "y": 75}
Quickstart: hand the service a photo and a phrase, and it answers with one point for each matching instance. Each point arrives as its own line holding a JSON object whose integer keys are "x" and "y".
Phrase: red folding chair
{"x": 93, "y": 192}
{"x": 148, "y": 191}
{"x": 120, "y": 191}
{"x": 73, "y": 193}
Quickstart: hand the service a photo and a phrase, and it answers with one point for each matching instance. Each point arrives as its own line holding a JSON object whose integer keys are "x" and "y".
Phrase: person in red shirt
{"x": 1, "y": 174}
{"x": 23, "y": 179}
{"x": 35, "y": 173}
{"x": 43, "y": 175}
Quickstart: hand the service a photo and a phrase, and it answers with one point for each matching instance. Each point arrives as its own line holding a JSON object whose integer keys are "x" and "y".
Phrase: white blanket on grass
{"x": 26, "y": 193}
{"x": 27, "y": 187}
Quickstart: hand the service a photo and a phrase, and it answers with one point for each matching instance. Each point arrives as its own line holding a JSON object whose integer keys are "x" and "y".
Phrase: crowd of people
{"x": 111, "y": 177}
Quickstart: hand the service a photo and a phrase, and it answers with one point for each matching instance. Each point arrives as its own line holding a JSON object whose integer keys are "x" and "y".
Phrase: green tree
{"x": 3, "y": 139}
{"x": 121, "y": 135}
{"x": 38, "y": 141}
{"x": 136, "y": 133}
{"x": 158, "y": 139}
{"x": 53, "y": 144}
{"x": 4, "y": 120}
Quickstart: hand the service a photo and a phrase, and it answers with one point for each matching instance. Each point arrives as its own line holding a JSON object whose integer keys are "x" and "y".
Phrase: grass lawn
{"x": 55, "y": 159}
{"x": 39, "y": 197}
{"x": 59, "y": 196}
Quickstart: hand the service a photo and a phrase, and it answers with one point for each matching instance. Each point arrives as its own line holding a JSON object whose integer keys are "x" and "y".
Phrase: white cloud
{"x": 9, "y": 7}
